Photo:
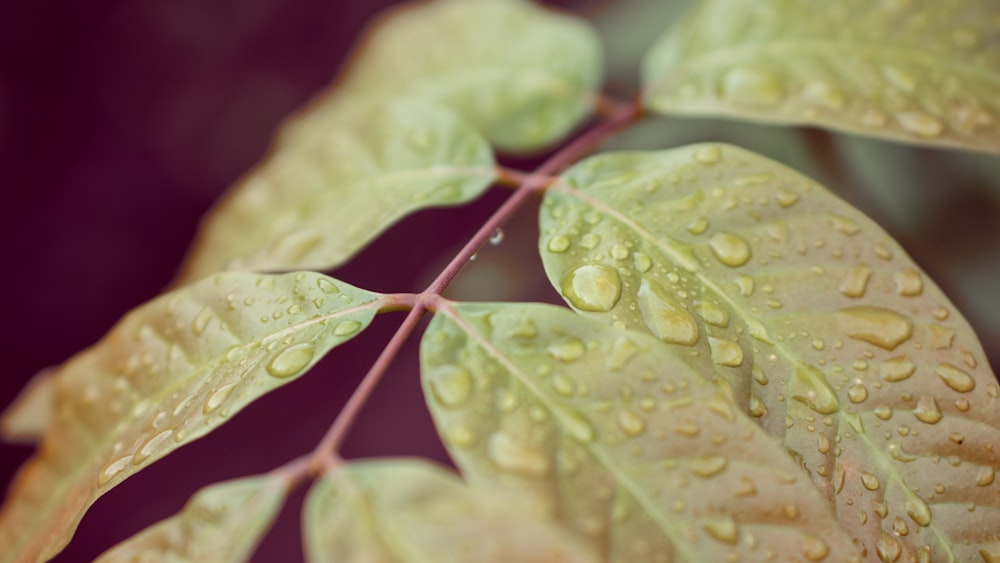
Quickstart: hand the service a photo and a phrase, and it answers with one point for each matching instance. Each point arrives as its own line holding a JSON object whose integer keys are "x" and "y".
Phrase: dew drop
{"x": 713, "y": 314}
{"x": 590, "y": 241}
{"x": 815, "y": 549}
{"x": 897, "y": 369}
{"x": 757, "y": 408}
{"x": 883, "y": 412}
{"x": 920, "y": 123}
{"x": 558, "y": 244}
{"x": 857, "y": 393}
{"x": 667, "y": 319}
{"x": 152, "y": 446}
{"x": 291, "y": 360}
{"x": 326, "y": 286}
{"x": 918, "y": 510}
{"x": 592, "y": 287}
{"x": 709, "y": 154}
{"x": 497, "y": 237}
{"x": 631, "y": 423}
{"x": 218, "y": 397}
{"x": 725, "y": 353}
{"x": 927, "y": 410}
{"x": 515, "y": 458}
{"x": 869, "y": 480}
{"x": 955, "y": 378}
{"x": 888, "y": 549}
{"x": 619, "y": 252}
{"x": 940, "y": 337}
{"x": 563, "y": 385}
{"x": 709, "y": 466}
{"x": 855, "y": 281}
{"x": 622, "y": 351}
{"x": 897, "y": 453}
{"x": 112, "y": 469}
{"x": 567, "y": 350}
{"x": 908, "y": 282}
{"x": 752, "y": 87}
{"x": 451, "y": 385}
{"x": 875, "y": 325}
{"x": 730, "y": 249}
{"x": 985, "y": 476}
{"x": 786, "y": 198}
{"x": 347, "y": 328}
{"x": 697, "y": 226}
{"x": 808, "y": 385}
{"x": 201, "y": 321}
{"x": 745, "y": 285}
{"x": 722, "y": 530}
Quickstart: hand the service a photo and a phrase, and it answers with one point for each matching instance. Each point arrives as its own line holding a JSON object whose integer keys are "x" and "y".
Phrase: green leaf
{"x": 26, "y": 418}
{"x": 523, "y": 75}
{"x": 221, "y": 522}
{"x": 825, "y": 329}
{"x": 169, "y": 372}
{"x": 401, "y": 510}
{"x": 313, "y": 206}
{"x": 622, "y": 440}
{"x": 924, "y": 72}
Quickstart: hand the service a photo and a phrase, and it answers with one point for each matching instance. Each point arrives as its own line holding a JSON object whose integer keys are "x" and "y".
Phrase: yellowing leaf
{"x": 314, "y": 205}
{"x": 922, "y": 71}
{"x": 523, "y": 75}
{"x": 411, "y": 511}
{"x": 618, "y": 437}
{"x": 26, "y": 418}
{"x": 169, "y": 372}
{"x": 823, "y": 327}
{"x": 223, "y": 522}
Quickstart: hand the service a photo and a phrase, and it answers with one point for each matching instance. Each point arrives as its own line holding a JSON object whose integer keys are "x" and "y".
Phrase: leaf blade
{"x": 169, "y": 372}
{"x": 828, "y": 333}
{"x": 923, "y": 74}
{"x": 610, "y": 431}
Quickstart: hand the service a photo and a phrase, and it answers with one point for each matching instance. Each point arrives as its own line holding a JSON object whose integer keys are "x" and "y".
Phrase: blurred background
{"x": 121, "y": 122}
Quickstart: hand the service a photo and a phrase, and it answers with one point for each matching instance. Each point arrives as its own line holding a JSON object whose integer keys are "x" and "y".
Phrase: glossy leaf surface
{"x": 924, "y": 72}
{"x": 314, "y": 205}
{"x": 170, "y": 371}
{"x": 826, "y": 331}
{"x": 618, "y": 437}
{"x": 221, "y": 523}
{"x": 412, "y": 511}
{"x": 522, "y": 74}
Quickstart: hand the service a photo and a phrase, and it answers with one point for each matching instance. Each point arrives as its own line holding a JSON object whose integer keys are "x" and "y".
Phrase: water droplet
{"x": 875, "y": 325}
{"x": 631, "y": 423}
{"x": 642, "y": 262}
{"x": 897, "y": 369}
{"x": 855, "y": 281}
{"x": 347, "y": 328}
{"x": 745, "y": 285}
{"x": 722, "y": 530}
{"x": 824, "y": 94}
{"x": 152, "y": 446}
{"x": 908, "y": 282}
{"x": 667, "y": 319}
{"x": 732, "y": 250}
{"x": 708, "y": 466}
{"x": 619, "y": 252}
{"x": 786, "y": 198}
{"x": 291, "y": 360}
{"x": 808, "y": 385}
{"x": 326, "y": 286}
{"x": 112, "y": 469}
{"x": 460, "y": 435}
{"x": 590, "y": 241}
{"x": 218, "y": 397}
{"x": 883, "y": 412}
{"x": 940, "y": 337}
{"x": 566, "y": 350}
{"x": 888, "y": 549}
{"x": 869, "y": 480}
{"x": 920, "y": 123}
{"x": 713, "y": 314}
{"x": 592, "y": 287}
{"x": 955, "y": 378}
{"x": 622, "y": 350}
{"x": 708, "y": 154}
{"x": 918, "y": 510}
{"x": 747, "y": 86}
{"x": 451, "y": 385}
{"x": 697, "y": 226}
{"x": 558, "y": 244}
{"x": 815, "y": 548}
{"x": 927, "y": 410}
{"x": 897, "y": 453}
{"x": 985, "y": 476}
{"x": 725, "y": 353}
{"x": 688, "y": 428}
{"x": 857, "y": 393}
{"x": 577, "y": 426}
{"x": 515, "y": 458}
{"x": 201, "y": 321}
{"x": 497, "y": 237}
{"x": 899, "y": 527}
{"x": 563, "y": 385}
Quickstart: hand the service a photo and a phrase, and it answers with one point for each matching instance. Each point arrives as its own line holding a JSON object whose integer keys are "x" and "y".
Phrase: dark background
{"x": 121, "y": 122}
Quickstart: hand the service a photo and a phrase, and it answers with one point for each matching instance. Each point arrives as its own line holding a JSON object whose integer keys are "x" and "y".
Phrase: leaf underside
{"x": 625, "y": 443}
{"x": 221, "y": 522}
{"x": 828, "y": 334}
{"x": 921, "y": 71}
{"x": 170, "y": 371}
{"x": 402, "y": 510}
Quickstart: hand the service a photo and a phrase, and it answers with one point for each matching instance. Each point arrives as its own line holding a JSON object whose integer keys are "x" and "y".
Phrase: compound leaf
{"x": 404, "y": 510}
{"x": 221, "y": 522}
{"x": 170, "y": 371}
{"x": 523, "y": 75}
{"x": 608, "y": 429}
{"x": 313, "y": 206}
{"x": 827, "y": 332}
{"x": 923, "y": 72}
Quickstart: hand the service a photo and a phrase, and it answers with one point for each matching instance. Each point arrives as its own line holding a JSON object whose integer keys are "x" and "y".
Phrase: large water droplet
{"x": 732, "y": 250}
{"x": 882, "y": 327}
{"x": 713, "y": 314}
{"x": 855, "y": 281}
{"x": 725, "y": 353}
{"x": 451, "y": 385}
{"x": 592, "y": 287}
{"x": 955, "y": 378}
{"x": 667, "y": 319}
{"x": 808, "y": 385}
{"x": 747, "y": 86}
{"x": 291, "y": 360}
{"x": 515, "y": 458}
{"x": 869, "y": 480}
{"x": 927, "y": 410}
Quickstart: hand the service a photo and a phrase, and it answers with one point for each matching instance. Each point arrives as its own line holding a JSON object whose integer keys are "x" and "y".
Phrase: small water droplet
{"x": 451, "y": 385}
{"x": 882, "y": 327}
{"x": 622, "y": 350}
{"x": 460, "y": 435}
{"x": 815, "y": 548}
{"x": 725, "y": 353}
{"x": 808, "y": 385}
{"x": 201, "y": 321}
{"x": 713, "y": 314}
{"x": 112, "y": 469}
{"x": 497, "y": 237}
{"x": 855, "y": 281}
{"x": 955, "y": 378}
{"x": 745, "y": 285}
{"x": 291, "y": 360}
{"x": 747, "y": 86}
{"x": 566, "y": 350}
{"x": 869, "y": 480}
{"x": 723, "y": 530}
{"x": 218, "y": 397}
{"x": 897, "y": 453}
{"x": 909, "y": 283}
{"x": 708, "y": 466}
{"x": 985, "y": 476}
{"x": 920, "y": 123}
{"x": 347, "y": 328}
{"x": 619, "y": 252}
{"x": 592, "y": 287}
{"x": 631, "y": 423}
{"x": 563, "y": 385}
{"x": 558, "y": 244}
{"x": 857, "y": 393}
{"x": 730, "y": 249}
{"x": 786, "y": 198}
{"x": 883, "y": 412}
{"x": 152, "y": 446}
{"x": 927, "y": 410}
{"x": 590, "y": 241}
{"x": 667, "y": 319}
{"x": 515, "y": 458}
{"x": 326, "y": 286}
{"x": 708, "y": 154}
{"x": 697, "y": 226}
{"x": 642, "y": 262}
{"x": 897, "y": 369}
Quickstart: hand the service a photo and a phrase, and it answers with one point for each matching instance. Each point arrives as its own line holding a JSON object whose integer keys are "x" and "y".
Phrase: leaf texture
{"x": 824, "y": 328}
{"x": 924, "y": 71}
{"x": 26, "y": 418}
{"x": 523, "y": 75}
{"x": 314, "y": 206}
{"x": 221, "y": 523}
{"x": 626, "y": 443}
{"x": 402, "y": 510}
{"x": 169, "y": 372}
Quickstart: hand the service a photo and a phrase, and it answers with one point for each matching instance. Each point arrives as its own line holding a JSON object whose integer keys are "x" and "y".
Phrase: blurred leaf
{"x": 171, "y": 371}
{"x": 617, "y": 436}
{"x": 628, "y": 28}
{"x": 411, "y": 511}
{"x": 26, "y": 418}
{"x": 315, "y": 205}
{"x": 221, "y": 523}
{"x": 523, "y": 75}
{"x": 920, "y": 71}
{"x": 824, "y": 328}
